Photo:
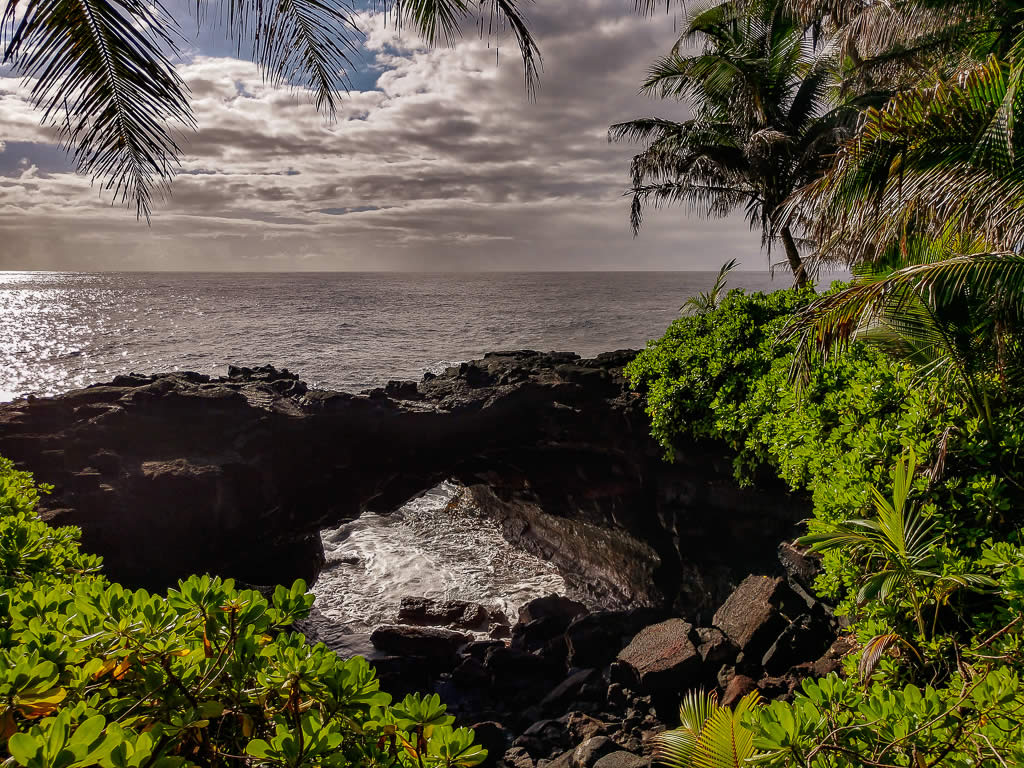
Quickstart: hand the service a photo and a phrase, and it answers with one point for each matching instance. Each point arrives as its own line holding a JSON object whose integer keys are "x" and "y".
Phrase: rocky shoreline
{"x": 177, "y": 473}
{"x": 575, "y": 689}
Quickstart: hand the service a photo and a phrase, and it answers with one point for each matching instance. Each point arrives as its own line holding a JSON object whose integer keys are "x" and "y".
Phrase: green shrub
{"x": 724, "y": 375}
{"x": 92, "y": 673}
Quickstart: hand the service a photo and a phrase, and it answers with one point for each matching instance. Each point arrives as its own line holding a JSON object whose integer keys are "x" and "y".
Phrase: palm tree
{"x": 890, "y": 45}
{"x": 708, "y": 301}
{"x": 709, "y": 735}
{"x": 926, "y": 203}
{"x": 102, "y": 71}
{"x": 762, "y": 128}
{"x": 936, "y": 160}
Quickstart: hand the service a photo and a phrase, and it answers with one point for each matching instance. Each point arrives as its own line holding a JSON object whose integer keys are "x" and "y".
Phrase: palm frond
{"x": 100, "y": 73}
{"x": 710, "y": 735}
{"x": 933, "y": 157}
{"x": 911, "y": 302}
{"x": 101, "y": 70}
{"x": 873, "y": 652}
{"x": 708, "y": 301}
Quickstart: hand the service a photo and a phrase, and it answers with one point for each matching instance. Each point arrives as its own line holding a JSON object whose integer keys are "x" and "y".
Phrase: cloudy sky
{"x": 437, "y": 161}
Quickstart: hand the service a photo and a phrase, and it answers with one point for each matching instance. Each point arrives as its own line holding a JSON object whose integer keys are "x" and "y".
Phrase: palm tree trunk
{"x": 793, "y": 255}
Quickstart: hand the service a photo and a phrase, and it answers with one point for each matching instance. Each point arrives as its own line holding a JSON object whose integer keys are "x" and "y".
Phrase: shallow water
{"x": 436, "y": 546}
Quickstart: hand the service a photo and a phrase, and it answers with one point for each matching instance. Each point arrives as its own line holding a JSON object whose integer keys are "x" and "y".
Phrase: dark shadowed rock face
{"x": 179, "y": 473}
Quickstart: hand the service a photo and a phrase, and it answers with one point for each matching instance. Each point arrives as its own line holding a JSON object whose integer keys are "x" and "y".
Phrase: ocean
{"x": 61, "y": 331}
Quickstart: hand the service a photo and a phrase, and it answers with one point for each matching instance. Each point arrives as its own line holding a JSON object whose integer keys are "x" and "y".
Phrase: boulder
{"x": 515, "y": 669}
{"x": 622, "y": 759}
{"x": 738, "y": 687}
{"x": 551, "y": 606}
{"x": 569, "y": 690}
{"x": 545, "y": 739}
{"x": 581, "y": 726}
{"x": 751, "y": 616}
{"x": 592, "y": 750}
{"x": 662, "y": 657}
{"x": 545, "y": 635}
{"x": 518, "y": 757}
{"x": 594, "y": 639}
{"x": 715, "y": 648}
{"x": 804, "y": 640}
{"x": 422, "y": 642}
{"x": 422, "y": 611}
{"x": 832, "y": 660}
{"x": 493, "y": 737}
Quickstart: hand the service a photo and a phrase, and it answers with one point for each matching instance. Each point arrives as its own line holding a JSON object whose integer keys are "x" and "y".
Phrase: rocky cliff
{"x": 179, "y": 473}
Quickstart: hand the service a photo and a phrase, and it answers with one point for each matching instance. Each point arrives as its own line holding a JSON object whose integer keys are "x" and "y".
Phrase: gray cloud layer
{"x": 441, "y": 164}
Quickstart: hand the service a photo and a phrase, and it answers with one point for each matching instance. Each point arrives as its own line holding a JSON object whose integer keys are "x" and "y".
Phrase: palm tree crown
{"x": 762, "y": 123}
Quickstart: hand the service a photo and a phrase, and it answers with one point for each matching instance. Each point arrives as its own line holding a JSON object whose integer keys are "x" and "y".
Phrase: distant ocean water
{"x": 60, "y": 331}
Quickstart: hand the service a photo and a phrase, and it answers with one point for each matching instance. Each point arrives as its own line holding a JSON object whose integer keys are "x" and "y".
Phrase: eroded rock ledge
{"x": 178, "y": 473}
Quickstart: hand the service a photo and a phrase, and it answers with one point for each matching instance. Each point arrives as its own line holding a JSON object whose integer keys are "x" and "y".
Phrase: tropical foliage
{"x": 706, "y": 301}
{"x": 93, "y": 674}
{"x": 916, "y": 512}
{"x": 103, "y": 72}
{"x": 709, "y": 735}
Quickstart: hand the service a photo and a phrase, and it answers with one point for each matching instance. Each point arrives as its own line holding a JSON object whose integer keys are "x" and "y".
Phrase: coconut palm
{"x": 926, "y": 203}
{"x": 102, "y": 71}
{"x": 890, "y": 45}
{"x": 762, "y": 127}
{"x": 934, "y": 158}
{"x": 709, "y": 735}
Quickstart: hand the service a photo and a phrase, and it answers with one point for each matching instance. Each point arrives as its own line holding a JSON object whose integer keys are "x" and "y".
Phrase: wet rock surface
{"x": 537, "y": 706}
{"x": 538, "y": 709}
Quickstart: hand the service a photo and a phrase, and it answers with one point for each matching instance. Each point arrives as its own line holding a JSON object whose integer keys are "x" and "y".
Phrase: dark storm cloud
{"x": 436, "y": 161}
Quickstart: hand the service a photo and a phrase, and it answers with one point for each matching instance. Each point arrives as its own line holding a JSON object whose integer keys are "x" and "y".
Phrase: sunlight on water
{"x": 436, "y": 546}
{"x": 61, "y": 331}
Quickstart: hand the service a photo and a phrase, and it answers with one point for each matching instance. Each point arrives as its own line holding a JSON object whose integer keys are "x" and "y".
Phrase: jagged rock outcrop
{"x": 179, "y": 473}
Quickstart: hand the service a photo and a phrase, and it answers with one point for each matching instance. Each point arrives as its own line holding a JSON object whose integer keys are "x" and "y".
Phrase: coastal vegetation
{"x": 917, "y": 500}
{"x": 93, "y": 674}
{"x": 894, "y": 400}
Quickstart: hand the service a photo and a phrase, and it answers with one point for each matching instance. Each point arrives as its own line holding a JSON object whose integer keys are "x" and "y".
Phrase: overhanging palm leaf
{"x": 99, "y": 72}
{"x": 933, "y": 157}
{"x": 958, "y": 317}
{"x": 102, "y": 71}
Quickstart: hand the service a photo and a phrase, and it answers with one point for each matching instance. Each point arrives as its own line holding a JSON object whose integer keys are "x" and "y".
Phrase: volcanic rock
{"x": 422, "y": 611}
{"x": 750, "y": 617}
{"x": 662, "y": 656}
{"x": 180, "y": 473}
{"x": 420, "y": 642}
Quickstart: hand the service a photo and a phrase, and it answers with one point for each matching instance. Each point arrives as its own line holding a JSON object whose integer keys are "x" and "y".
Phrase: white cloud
{"x": 443, "y": 165}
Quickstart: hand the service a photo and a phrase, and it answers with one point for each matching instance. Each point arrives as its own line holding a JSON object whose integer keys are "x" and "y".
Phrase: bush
{"x": 725, "y": 375}
{"x": 92, "y": 673}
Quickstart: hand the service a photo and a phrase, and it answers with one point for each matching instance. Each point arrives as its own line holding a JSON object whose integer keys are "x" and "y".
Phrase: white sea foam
{"x": 439, "y": 546}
